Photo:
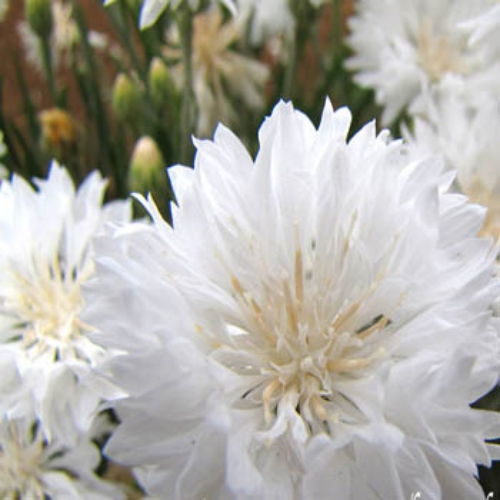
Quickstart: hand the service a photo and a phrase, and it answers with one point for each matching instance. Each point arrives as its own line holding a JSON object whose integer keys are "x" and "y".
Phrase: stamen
{"x": 318, "y": 407}
{"x": 267, "y": 394}
{"x": 378, "y": 325}
{"x": 237, "y": 286}
{"x": 299, "y": 284}
{"x": 347, "y": 365}
{"x": 290, "y": 308}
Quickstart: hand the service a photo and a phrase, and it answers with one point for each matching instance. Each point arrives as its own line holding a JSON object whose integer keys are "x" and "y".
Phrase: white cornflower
{"x": 404, "y": 47}
{"x": 467, "y": 137}
{"x": 46, "y": 254}
{"x": 221, "y": 75}
{"x": 315, "y": 325}
{"x": 32, "y": 469}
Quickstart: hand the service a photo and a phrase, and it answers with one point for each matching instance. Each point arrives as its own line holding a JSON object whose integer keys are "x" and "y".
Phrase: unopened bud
{"x": 126, "y": 98}
{"x": 147, "y": 167}
{"x": 59, "y": 135}
{"x": 161, "y": 85}
{"x": 39, "y": 17}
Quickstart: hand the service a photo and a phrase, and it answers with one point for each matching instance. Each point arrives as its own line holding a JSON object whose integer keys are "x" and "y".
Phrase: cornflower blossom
{"x": 467, "y": 137}
{"x": 46, "y": 254}
{"x": 315, "y": 324}
{"x": 404, "y": 48}
{"x": 32, "y": 469}
{"x": 220, "y": 74}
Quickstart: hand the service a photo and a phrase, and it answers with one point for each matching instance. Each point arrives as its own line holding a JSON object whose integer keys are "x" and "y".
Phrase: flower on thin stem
{"x": 220, "y": 73}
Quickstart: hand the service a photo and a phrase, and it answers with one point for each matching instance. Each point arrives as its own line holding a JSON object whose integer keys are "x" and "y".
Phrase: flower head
{"x": 315, "y": 324}
{"x": 402, "y": 48}
{"x": 46, "y": 254}
{"x": 33, "y": 469}
{"x": 219, "y": 72}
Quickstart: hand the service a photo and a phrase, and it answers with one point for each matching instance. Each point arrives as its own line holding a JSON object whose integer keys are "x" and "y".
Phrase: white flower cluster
{"x": 316, "y": 323}
{"x": 50, "y": 390}
{"x": 438, "y": 62}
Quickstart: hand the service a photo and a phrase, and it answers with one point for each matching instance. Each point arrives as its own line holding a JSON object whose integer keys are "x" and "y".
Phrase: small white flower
{"x": 220, "y": 74}
{"x": 32, "y": 469}
{"x": 404, "y": 47}
{"x": 316, "y": 323}
{"x": 46, "y": 254}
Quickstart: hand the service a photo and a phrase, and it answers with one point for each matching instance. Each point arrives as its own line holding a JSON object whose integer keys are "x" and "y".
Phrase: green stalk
{"x": 295, "y": 46}
{"x": 291, "y": 67}
{"x": 185, "y": 21}
{"x": 49, "y": 69}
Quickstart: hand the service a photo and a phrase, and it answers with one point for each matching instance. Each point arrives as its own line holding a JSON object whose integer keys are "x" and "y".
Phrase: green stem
{"x": 187, "y": 108}
{"x": 291, "y": 67}
{"x": 299, "y": 10}
{"x": 49, "y": 69}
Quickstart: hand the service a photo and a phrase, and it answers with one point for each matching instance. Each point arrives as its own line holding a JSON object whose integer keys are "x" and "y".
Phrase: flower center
{"x": 304, "y": 340}
{"x": 20, "y": 474}
{"x": 211, "y": 39}
{"x": 437, "y": 54}
{"x": 46, "y": 304}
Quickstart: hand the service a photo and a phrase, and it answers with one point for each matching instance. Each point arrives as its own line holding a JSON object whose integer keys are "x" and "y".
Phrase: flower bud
{"x": 161, "y": 85}
{"x": 126, "y": 98}
{"x": 59, "y": 137}
{"x": 147, "y": 167}
{"x": 39, "y": 16}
